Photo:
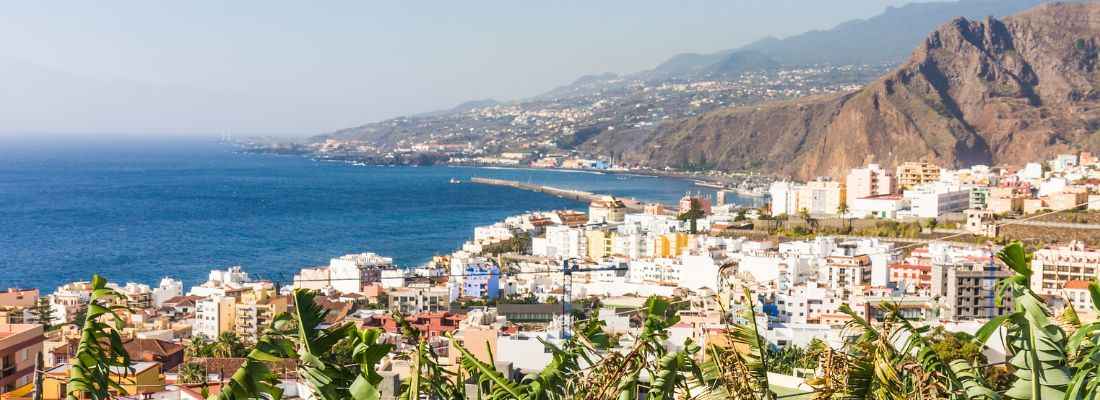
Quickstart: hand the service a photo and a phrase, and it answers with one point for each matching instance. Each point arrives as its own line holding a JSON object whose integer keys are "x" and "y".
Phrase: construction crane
{"x": 568, "y": 267}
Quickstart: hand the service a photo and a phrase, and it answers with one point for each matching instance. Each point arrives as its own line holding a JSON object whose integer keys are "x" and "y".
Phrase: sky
{"x": 302, "y": 68}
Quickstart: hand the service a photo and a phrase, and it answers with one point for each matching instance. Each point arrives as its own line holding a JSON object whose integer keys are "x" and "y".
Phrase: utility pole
{"x": 38, "y": 365}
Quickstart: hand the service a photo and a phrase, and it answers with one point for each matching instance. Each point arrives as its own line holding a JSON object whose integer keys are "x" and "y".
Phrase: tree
{"x": 80, "y": 315}
{"x": 43, "y": 313}
{"x": 952, "y": 346}
{"x": 692, "y": 215}
{"x": 228, "y": 345}
{"x": 192, "y": 373}
{"x": 197, "y": 346}
{"x": 932, "y": 223}
{"x": 890, "y": 358}
{"x": 804, "y": 214}
{"x": 843, "y": 211}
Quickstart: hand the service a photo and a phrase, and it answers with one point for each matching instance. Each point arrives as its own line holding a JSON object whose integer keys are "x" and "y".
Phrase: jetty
{"x": 572, "y": 194}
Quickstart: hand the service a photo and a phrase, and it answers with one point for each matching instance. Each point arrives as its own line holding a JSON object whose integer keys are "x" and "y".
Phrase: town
{"x": 919, "y": 239}
{"x": 547, "y": 130}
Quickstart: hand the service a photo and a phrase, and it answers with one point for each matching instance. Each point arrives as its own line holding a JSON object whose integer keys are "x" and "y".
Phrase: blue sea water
{"x": 139, "y": 210}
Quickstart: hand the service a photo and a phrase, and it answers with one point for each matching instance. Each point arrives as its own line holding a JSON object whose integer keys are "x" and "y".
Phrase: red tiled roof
{"x": 1076, "y": 284}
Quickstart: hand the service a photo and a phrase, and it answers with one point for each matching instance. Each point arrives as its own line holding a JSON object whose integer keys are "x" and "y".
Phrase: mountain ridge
{"x": 995, "y": 91}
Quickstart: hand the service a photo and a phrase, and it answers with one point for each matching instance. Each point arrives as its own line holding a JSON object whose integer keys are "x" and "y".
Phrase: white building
{"x": 213, "y": 315}
{"x": 784, "y": 197}
{"x": 561, "y": 241}
{"x": 886, "y": 206}
{"x": 350, "y": 272}
{"x": 167, "y": 289}
{"x": 493, "y": 233}
{"x": 312, "y": 278}
{"x": 393, "y": 278}
{"x": 219, "y": 281}
{"x": 697, "y": 272}
{"x": 1031, "y": 171}
{"x": 935, "y": 199}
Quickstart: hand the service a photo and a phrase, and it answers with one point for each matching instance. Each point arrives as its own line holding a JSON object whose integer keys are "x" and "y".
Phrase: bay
{"x": 138, "y": 210}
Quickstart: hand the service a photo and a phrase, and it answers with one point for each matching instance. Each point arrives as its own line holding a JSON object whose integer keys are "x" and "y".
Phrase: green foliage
{"x": 692, "y": 215}
{"x": 100, "y": 350}
{"x": 43, "y": 313}
{"x": 887, "y": 359}
{"x": 192, "y": 373}
{"x": 519, "y": 244}
{"x": 228, "y": 345}
{"x": 298, "y": 336}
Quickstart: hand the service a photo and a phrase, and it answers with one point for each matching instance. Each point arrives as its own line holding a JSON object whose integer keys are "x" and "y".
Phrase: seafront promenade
{"x": 579, "y": 195}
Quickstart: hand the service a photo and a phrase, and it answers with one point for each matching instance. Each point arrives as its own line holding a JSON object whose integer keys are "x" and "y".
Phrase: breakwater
{"x": 571, "y": 194}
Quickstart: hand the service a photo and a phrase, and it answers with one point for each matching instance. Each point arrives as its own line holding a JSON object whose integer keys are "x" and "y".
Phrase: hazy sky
{"x": 255, "y": 67}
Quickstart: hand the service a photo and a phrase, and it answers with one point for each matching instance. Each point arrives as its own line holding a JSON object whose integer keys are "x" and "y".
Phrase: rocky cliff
{"x": 997, "y": 91}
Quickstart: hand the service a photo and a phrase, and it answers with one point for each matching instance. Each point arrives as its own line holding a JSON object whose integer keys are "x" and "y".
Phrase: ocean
{"x": 137, "y": 210}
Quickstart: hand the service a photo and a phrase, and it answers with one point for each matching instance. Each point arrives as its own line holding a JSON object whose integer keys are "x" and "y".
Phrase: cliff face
{"x": 974, "y": 92}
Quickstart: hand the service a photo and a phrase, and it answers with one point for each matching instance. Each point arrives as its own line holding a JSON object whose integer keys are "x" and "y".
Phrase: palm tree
{"x": 228, "y": 345}
{"x": 843, "y": 211}
{"x": 197, "y": 347}
{"x": 804, "y": 214}
{"x": 192, "y": 373}
{"x": 886, "y": 359}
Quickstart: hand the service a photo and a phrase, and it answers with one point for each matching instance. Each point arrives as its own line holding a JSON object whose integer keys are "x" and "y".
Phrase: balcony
{"x": 7, "y": 371}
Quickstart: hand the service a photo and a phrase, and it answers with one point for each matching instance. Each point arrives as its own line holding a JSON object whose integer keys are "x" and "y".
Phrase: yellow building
{"x": 599, "y": 243}
{"x": 911, "y": 174}
{"x": 256, "y": 311}
{"x": 670, "y": 245}
{"x": 661, "y": 247}
{"x": 145, "y": 378}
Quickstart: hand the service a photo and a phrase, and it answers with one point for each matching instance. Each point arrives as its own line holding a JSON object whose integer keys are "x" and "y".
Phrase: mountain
{"x": 994, "y": 91}
{"x": 884, "y": 38}
{"x": 461, "y": 107}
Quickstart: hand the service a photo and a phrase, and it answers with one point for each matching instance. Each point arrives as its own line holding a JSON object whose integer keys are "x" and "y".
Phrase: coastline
{"x": 209, "y": 207}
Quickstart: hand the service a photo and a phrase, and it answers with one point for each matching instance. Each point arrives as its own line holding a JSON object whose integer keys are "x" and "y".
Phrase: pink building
{"x": 868, "y": 182}
{"x": 685, "y": 204}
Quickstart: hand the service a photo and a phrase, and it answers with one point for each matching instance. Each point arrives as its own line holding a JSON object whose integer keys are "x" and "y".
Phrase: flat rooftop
{"x": 9, "y": 330}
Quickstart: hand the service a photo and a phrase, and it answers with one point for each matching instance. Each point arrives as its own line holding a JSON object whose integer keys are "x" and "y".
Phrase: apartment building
{"x": 869, "y": 181}
{"x": 16, "y": 306}
{"x": 349, "y": 273}
{"x": 560, "y": 241}
{"x": 419, "y": 297}
{"x": 936, "y": 199}
{"x": 965, "y": 288}
{"x": 606, "y": 210}
{"x": 911, "y": 278}
{"x": 910, "y": 174}
{"x": 214, "y": 315}
{"x": 1053, "y": 267}
{"x": 848, "y": 274}
{"x": 255, "y": 313}
{"x": 821, "y": 197}
{"x": 482, "y": 281}
{"x": 19, "y": 348}
{"x": 599, "y": 243}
